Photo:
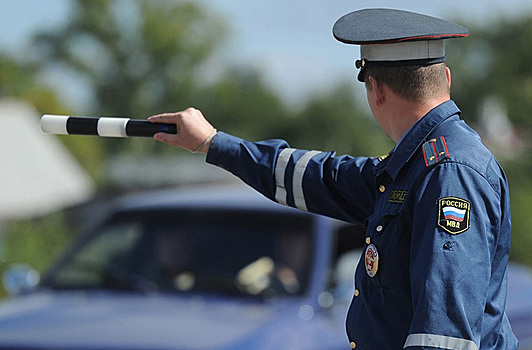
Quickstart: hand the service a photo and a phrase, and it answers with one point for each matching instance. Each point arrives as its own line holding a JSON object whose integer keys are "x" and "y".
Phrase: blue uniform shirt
{"x": 437, "y": 215}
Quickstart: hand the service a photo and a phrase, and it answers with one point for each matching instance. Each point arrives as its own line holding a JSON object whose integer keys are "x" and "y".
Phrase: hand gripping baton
{"x": 102, "y": 126}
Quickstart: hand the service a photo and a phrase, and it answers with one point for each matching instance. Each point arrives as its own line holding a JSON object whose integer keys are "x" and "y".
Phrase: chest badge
{"x": 453, "y": 214}
{"x": 397, "y": 196}
{"x": 371, "y": 260}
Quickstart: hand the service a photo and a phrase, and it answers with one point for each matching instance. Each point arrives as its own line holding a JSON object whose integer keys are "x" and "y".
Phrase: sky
{"x": 289, "y": 41}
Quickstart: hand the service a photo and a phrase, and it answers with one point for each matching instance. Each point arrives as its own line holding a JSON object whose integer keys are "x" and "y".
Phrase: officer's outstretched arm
{"x": 340, "y": 187}
{"x": 319, "y": 182}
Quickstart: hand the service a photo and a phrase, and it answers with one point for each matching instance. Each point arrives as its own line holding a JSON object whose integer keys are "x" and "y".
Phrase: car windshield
{"x": 193, "y": 251}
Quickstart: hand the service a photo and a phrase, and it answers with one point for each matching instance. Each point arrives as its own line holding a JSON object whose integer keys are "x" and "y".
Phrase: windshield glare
{"x": 242, "y": 253}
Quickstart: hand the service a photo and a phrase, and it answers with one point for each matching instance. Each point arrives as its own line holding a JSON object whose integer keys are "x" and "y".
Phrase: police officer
{"x": 436, "y": 209}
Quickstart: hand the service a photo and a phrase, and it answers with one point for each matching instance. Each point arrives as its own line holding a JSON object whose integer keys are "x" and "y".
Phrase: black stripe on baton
{"x": 145, "y": 128}
{"x": 82, "y": 125}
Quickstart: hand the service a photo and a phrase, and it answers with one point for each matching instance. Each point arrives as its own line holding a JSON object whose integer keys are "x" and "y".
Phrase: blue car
{"x": 212, "y": 268}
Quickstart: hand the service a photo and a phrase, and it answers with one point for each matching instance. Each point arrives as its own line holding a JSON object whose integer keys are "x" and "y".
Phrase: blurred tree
{"x": 334, "y": 121}
{"x": 142, "y": 57}
{"x": 242, "y": 104}
{"x": 155, "y": 61}
{"x": 520, "y": 179}
{"x": 492, "y": 77}
{"x": 495, "y": 61}
{"x": 138, "y": 57}
{"x": 19, "y": 79}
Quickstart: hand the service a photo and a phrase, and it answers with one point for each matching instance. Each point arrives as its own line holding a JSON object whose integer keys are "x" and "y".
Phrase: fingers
{"x": 164, "y": 137}
{"x": 192, "y": 128}
{"x": 168, "y": 118}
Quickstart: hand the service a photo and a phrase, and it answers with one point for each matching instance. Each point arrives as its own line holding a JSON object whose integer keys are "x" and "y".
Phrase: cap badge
{"x": 371, "y": 260}
{"x": 453, "y": 214}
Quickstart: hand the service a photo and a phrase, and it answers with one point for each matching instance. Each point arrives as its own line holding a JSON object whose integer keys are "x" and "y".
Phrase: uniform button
{"x": 357, "y": 292}
{"x": 382, "y": 188}
{"x": 368, "y": 240}
{"x": 353, "y": 345}
{"x": 379, "y": 228}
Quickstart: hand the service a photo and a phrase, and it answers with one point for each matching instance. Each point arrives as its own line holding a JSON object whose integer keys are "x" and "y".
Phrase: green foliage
{"x": 522, "y": 222}
{"x": 333, "y": 121}
{"x": 521, "y": 201}
{"x": 35, "y": 242}
{"x": 156, "y": 62}
{"x": 495, "y": 61}
{"x": 137, "y": 68}
{"x": 242, "y": 104}
{"x": 18, "y": 79}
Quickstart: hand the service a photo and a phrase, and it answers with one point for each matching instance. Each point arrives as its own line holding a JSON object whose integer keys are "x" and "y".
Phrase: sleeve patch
{"x": 453, "y": 214}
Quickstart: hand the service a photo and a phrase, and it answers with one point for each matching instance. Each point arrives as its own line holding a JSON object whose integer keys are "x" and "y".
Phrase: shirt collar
{"x": 406, "y": 133}
{"x": 415, "y": 136}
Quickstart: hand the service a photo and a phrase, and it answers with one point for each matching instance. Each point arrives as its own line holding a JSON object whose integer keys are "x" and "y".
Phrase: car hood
{"x": 77, "y": 320}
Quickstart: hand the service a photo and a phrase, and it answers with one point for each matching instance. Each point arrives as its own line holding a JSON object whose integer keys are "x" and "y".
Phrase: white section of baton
{"x": 54, "y": 124}
{"x": 280, "y": 171}
{"x": 299, "y": 172}
{"x": 440, "y": 342}
{"x": 112, "y": 127}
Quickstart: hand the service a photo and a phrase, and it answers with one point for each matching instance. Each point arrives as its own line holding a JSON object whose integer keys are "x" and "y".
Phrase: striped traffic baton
{"x": 102, "y": 126}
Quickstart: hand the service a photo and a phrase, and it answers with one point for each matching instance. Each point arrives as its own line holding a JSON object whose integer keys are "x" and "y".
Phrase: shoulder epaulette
{"x": 435, "y": 150}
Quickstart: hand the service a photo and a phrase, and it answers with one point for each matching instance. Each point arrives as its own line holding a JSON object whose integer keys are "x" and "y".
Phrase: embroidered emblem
{"x": 371, "y": 260}
{"x": 434, "y": 151}
{"x": 397, "y": 196}
{"x": 453, "y": 214}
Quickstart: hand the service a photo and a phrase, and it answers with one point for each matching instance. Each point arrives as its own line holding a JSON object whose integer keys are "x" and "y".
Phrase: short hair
{"x": 414, "y": 83}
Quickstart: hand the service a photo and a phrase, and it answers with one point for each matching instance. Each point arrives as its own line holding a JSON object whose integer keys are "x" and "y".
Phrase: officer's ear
{"x": 448, "y": 74}
{"x": 376, "y": 88}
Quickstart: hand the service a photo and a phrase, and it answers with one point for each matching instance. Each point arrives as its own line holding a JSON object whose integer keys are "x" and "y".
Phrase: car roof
{"x": 215, "y": 197}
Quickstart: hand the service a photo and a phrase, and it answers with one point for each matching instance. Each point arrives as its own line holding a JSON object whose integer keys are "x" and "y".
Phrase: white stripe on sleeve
{"x": 280, "y": 170}
{"x": 299, "y": 172}
{"x": 440, "y": 342}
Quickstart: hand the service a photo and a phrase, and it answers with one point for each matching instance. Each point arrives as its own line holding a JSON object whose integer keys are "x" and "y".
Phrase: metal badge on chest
{"x": 371, "y": 260}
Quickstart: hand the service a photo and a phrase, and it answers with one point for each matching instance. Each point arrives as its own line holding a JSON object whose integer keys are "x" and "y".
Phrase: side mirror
{"x": 20, "y": 279}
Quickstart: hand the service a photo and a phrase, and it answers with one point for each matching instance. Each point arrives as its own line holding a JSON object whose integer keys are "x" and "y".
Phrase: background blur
{"x": 256, "y": 69}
